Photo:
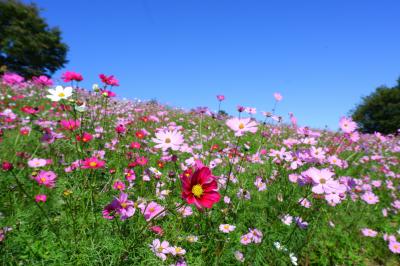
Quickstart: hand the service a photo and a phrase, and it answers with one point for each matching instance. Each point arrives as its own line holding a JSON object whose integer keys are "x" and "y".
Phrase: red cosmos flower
{"x": 29, "y": 110}
{"x": 92, "y": 163}
{"x": 86, "y": 137}
{"x": 200, "y": 189}
{"x": 135, "y": 145}
{"x": 70, "y": 75}
{"x": 110, "y": 80}
{"x": 140, "y": 134}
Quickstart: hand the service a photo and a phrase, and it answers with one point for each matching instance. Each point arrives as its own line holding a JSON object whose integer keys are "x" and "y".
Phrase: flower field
{"x": 90, "y": 179}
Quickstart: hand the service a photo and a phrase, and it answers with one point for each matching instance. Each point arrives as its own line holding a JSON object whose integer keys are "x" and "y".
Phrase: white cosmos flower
{"x": 59, "y": 93}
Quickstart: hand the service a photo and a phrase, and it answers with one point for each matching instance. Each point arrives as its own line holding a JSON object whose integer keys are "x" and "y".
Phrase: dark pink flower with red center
{"x": 92, "y": 163}
{"x": 110, "y": 80}
{"x": 120, "y": 129}
{"x": 70, "y": 124}
{"x": 70, "y": 76}
{"x": 200, "y": 189}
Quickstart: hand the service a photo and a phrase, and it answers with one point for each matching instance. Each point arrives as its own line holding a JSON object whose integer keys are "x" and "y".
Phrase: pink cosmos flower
{"x": 36, "y": 162}
{"x": 370, "y": 198}
{"x": 110, "y": 80}
{"x": 220, "y": 97}
{"x": 168, "y": 140}
{"x": 323, "y": 182}
{"x": 92, "y": 163}
{"x": 245, "y": 239}
{"x": 226, "y": 228}
{"x": 347, "y": 125}
{"x": 40, "y": 198}
{"x": 278, "y": 97}
{"x": 47, "y": 178}
{"x": 107, "y": 93}
{"x": 177, "y": 251}
{"x": 256, "y": 235}
{"x": 42, "y": 81}
{"x": 12, "y": 79}
{"x": 118, "y": 185}
{"x": 151, "y": 210}
{"x": 394, "y": 247}
{"x": 120, "y": 206}
{"x": 242, "y": 125}
{"x": 160, "y": 249}
{"x": 369, "y": 232}
{"x": 157, "y": 230}
{"x": 70, "y": 76}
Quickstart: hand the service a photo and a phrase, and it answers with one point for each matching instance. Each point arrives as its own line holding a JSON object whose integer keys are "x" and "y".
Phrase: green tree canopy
{"x": 380, "y": 111}
{"x": 28, "y": 46}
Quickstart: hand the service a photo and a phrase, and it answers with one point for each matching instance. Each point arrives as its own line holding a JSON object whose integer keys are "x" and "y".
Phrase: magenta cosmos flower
{"x": 70, "y": 76}
{"x": 168, "y": 140}
{"x": 42, "y": 81}
{"x": 120, "y": 206}
{"x": 70, "y": 124}
{"x": 92, "y": 163}
{"x": 200, "y": 189}
{"x": 110, "y": 80}
{"x": 220, "y": 97}
{"x": 241, "y": 125}
{"x": 46, "y": 178}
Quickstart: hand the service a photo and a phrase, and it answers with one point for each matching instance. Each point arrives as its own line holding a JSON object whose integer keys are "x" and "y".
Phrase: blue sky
{"x": 321, "y": 55}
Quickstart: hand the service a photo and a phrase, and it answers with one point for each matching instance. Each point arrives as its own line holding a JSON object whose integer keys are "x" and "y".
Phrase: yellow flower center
{"x": 93, "y": 164}
{"x": 322, "y": 181}
{"x": 167, "y": 140}
{"x": 61, "y": 94}
{"x": 160, "y": 249}
{"x": 152, "y": 209}
{"x": 43, "y": 179}
{"x": 124, "y": 205}
{"x": 197, "y": 190}
{"x": 241, "y": 125}
{"x": 226, "y": 227}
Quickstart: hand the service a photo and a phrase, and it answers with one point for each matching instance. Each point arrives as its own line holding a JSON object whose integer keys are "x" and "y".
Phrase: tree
{"x": 380, "y": 111}
{"x": 28, "y": 46}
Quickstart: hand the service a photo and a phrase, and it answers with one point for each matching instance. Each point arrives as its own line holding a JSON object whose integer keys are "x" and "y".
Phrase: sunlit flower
{"x": 242, "y": 125}
{"x": 168, "y": 140}
{"x": 59, "y": 93}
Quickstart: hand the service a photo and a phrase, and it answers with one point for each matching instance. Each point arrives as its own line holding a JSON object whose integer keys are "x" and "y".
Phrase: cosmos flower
{"x": 160, "y": 249}
{"x": 42, "y": 81}
{"x": 110, "y": 80}
{"x": 37, "y": 162}
{"x": 59, "y": 93}
{"x": 226, "y": 228}
{"x": 168, "y": 140}
{"x": 200, "y": 188}
{"x": 347, "y": 125}
{"x": 370, "y": 198}
{"x": 46, "y": 178}
{"x": 121, "y": 207}
{"x": 40, "y": 198}
{"x": 220, "y": 97}
{"x": 369, "y": 232}
{"x": 70, "y": 124}
{"x": 92, "y": 163}
{"x": 278, "y": 97}
{"x": 242, "y": 125}
{"x": 70, "y": 76}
